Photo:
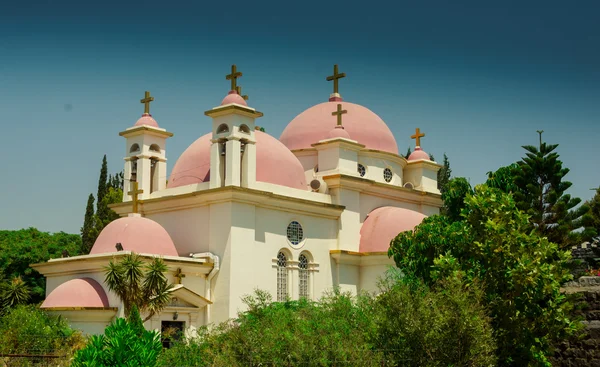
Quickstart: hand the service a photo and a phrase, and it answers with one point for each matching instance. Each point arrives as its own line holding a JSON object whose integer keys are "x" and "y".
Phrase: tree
{"x": 542, "y": 195}
{"x": 138, "y": 284}
{"x": 503, "y": 179}
{"x": 431, "y": 158}
{"x": 521, "y": 272}
{"x": 87, "y": 231}
{"x": 594, "y": 205}
{"x": 408, "y": 152}
{"x": 453, "y": 196}
{"x": 105, "y": 215}
{"x": 102, "y": 182}
{"x": 13, "y": 293}
{"x": 443, "y": 175}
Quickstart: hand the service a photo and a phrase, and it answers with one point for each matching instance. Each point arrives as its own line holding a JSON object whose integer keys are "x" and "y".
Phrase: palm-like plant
{"x": 14, "y": 293}
{"x": 138, "y": 283}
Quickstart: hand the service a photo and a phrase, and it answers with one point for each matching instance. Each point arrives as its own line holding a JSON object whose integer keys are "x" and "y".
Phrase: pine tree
{"x": 443, "y": 175}
{"x": 87, "y": 231}
{"x": 594, "y": 205}
{"x": 102, "y": 182}
{"x": 542, "y": 195}
{"x": 408, "y": 153}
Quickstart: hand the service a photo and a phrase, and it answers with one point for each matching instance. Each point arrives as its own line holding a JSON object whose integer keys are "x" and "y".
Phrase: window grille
{"x": 303, "y": 274}
{"x": 387, "y": 175}
{"x": 361, "y": 170}
{"x": 295, "y": 234}
{"x": 282, "y": 292}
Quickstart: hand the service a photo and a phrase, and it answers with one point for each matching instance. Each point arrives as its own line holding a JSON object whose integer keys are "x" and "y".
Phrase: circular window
{"x": 387, "y": 175}
{"x": 295, "y": 234}
{"x": 361, "y": 170}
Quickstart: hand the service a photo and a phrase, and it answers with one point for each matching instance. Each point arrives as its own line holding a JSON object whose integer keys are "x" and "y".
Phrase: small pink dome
{"x": 362, "y": 124}
{"x": 146, "y": 120}
{"x": 418, "y": 154}
{"x": 274, "y": 163}
{"x": 338, "y": 132}
{"x": 233, "y": 97}
{"x": 136, "y": 234}
{"x": 84, "y": 292}
{"x": 383, "y": 225}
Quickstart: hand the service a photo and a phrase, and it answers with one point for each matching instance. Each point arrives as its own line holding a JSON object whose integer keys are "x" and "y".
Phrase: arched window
{"x": 303, "y": 276}
{"x": 134, "y": 148}
{"x": 282, "y": 289}
{"x": 155, "y": 148}
{"x": 223, "y": 128}
{"x": 244, "y": 129}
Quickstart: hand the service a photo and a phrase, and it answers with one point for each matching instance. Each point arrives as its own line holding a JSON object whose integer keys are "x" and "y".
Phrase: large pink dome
{"x": 275, "y": 163}
{"x": 137, "y": 234}
{"x": 362, "y": 124}
{"x": 383, "y": 225}
{"x": 84, "y": 292}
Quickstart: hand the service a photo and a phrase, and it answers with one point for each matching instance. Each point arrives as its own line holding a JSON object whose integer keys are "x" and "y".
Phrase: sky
{"x": 478, "y": 77}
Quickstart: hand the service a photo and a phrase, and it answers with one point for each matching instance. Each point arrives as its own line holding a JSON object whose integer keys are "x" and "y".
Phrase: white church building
{"x": 241, "y": 210}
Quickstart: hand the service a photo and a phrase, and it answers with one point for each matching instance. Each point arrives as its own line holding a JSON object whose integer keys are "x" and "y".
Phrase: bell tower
{"x": 233, "y": 149}
{"x": 145, "y": 155}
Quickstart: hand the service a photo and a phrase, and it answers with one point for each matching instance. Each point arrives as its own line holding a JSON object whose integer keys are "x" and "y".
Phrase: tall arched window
{"x": 303, "y": 275}
{"x": 282, "y": 291}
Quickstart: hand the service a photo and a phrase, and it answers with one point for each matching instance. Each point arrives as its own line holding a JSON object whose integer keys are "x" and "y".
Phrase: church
{"x": 243, "y": 210}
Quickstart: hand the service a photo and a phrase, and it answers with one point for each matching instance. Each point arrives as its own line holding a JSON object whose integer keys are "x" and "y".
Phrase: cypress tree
{"x": 408, "y": 153}
{"x": 102, "y": 182}
{"x": 443, "y": 175}
{"x": 542, "y": 195}
{"x": 87, "y": 231}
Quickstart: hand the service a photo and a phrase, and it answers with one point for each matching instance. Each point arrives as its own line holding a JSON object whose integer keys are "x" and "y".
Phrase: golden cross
{"x": 418, "y": 135}
{"x": 179, "y": 275}
{"x": 146, "y": 101}
{"x": 233, "y": 76}
{"x": 238, "y": 89}
{"x": 339, "y": 114}
{"x": 134, "y": 195}
{"x": 335, "y": 77}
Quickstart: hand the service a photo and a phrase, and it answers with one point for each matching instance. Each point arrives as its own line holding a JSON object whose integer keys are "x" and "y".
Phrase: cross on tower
{"x": 146, "y": 101}
{"x": 238, "y": 89}
{"x": 339, "y": 114}
{"x": 233, "y": 76}
{"x": 335, "y": 77}
{"x": 179, "y": 275}
{"x": 134, "y": 195}
{"x": 418, "y": 135}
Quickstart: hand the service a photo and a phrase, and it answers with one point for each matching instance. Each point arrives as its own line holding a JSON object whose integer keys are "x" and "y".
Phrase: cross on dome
{"x": 339, "y": 114}
{"x": 238, "y": 89}
{"x": 417, "y": 136}
{"x": 335, "y": 77}
{"x": 134, "y": 195}
{"x": 146, "y": 101}
{"x": 233, "y": 76}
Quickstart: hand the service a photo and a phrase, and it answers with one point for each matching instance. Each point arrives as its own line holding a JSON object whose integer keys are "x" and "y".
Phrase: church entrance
{"x": 171, "y": 332}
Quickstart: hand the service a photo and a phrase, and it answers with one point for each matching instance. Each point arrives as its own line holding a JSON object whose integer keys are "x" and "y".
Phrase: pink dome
{"x": 233, "y": 97}
{"x": 338, "y": 132}
{"x": 146, "y": 120}
{"x": 361, "y": 123}
{"x": 418, "y": 154}
{"x": 136, "y": 234}
{"x": 383, "y": 225}
{"x": 274, "y": 163}
{"x": 84, "y": 292}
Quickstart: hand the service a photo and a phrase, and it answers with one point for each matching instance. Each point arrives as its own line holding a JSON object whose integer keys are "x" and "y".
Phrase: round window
{"x": 295, "y": 234}
{"x": 387, "y": 175}
{"x": 361, "y": 170}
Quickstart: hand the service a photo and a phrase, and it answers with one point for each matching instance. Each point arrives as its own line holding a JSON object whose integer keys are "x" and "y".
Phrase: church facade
{"x": 241, "y": 210}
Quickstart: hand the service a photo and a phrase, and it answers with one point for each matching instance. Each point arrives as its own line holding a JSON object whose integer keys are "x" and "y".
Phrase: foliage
{"x": 454, "y": 195}
{"x": 443, "y": 175}
{"x": 139, "y": 284}
{"x": 29, "y": 330}
{"x": 441, "y": 325}
{"x": 520, "y": 272}
{"x": 105, "y": 215}
{"x": 88, "y": 230}
{"x": 408, "y": 152}
{"x": 594, "y": 205}
{"x": 102, "y": 182}
{"x": 503, "y": 179}
{"x": 542, "y": 195}
{"x": 122, "y": 344}
{"x": 13, "y": 293}
{"x": 19, "y": 249}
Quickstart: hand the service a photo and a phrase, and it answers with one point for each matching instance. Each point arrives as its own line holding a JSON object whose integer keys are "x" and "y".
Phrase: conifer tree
{"x": 594, "y": 205}
{"x": 102, "y": 182}
{"x": 408, "y": 153}
{"x": 443, "y": 175}
{"x": 542, "y": 195}
{"x": 431, "y": 158}
{"x": 87, "y": 231}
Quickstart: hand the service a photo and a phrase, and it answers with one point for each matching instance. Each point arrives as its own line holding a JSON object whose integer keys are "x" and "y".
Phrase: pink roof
{"x": 274, "y": 163}
{"x": 137, "y": 234}
{"x": 338, "y": 132}
{"x": 84, "y": 292}
{"x": 146, "y": 120}
{"x": 384, "y": 224}
{"x": 233, "y": 97}
{"x": 418, "y": 154}
{"x": 362, "y": 124}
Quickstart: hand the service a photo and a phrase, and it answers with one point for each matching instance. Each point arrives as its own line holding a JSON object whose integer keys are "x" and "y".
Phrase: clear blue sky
{"x": 478, "y": 79}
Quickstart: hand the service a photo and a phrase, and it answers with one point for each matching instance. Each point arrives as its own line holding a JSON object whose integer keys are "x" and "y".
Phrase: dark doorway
{"x": 171, "y": 332}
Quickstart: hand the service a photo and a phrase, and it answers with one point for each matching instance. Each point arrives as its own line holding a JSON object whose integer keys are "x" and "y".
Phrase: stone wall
{"x": 583, "y": 352}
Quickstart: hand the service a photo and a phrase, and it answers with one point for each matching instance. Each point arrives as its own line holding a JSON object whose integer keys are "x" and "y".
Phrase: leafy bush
{"x": 124, "y": 343}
